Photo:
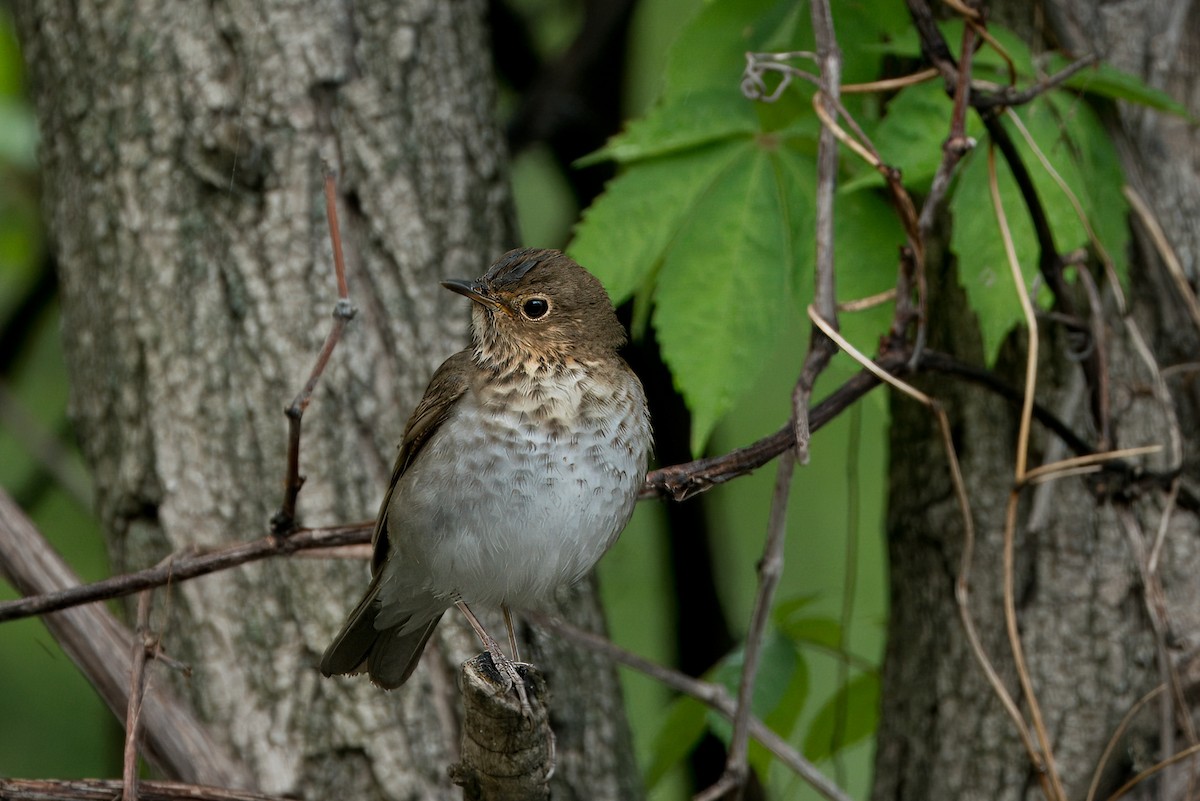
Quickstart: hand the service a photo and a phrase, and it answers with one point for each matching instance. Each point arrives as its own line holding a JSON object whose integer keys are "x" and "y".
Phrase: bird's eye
{"x": 535, "y": 308}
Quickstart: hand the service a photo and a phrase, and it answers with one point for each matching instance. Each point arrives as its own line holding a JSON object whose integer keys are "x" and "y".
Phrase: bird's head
{"x": 539, "y": 305}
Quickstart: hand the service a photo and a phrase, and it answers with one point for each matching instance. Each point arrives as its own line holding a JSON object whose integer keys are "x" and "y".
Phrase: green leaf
{"x": 684, "y": 725}
{"x": 910, "y": 136}
{"x": 849, "y": 716}
{"x": 725, "y": 286}
{"x": 867, "y": 241}
{"x": 1101, "y": 178}
{"x": 625, "y": 232}
{"x": 711, "y": 49}
{"x": 687, "y": 122}
{"x": 1105, "y": 80}
{"x": 983, "y": 265}
{"x": 780, "y": 688}
{"x": 821, "y": 631}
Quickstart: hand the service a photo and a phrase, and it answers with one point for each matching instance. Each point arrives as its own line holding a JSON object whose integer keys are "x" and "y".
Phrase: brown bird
{"x": 518, "y": 469}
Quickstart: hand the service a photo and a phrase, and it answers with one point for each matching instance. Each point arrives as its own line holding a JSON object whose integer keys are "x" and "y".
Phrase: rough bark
{"x": 1081, "y": 600}
{"x": 182, "y": 146}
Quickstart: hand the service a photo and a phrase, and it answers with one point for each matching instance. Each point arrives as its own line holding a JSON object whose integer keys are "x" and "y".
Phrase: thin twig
{"x": 1150, "y": 771}
{"x": 712, "y": 695}
{"x": 1167, "y": 253}
{"x": 1053, "y": 469}
{"x": 954, "y": 148}
{"x": 1044, "y": 759}
{"x": 821, "y": 348}
{"x": 1127, "y": 719}
{"x": 770, "y": 569}
{"x": 142, "y": 645}
{"x": 43, "y": 447}
{"x": 1010, "y": 521}
{"x": 1155, "y": 600}
{"x": 1010, "y": 97}
{"x": 890, "y": 84}
{"x": 186, "y": 565}
{"x": 1031, "y": 358}
{"x": 284, "y": 521}
{"x": 849, "y": 589}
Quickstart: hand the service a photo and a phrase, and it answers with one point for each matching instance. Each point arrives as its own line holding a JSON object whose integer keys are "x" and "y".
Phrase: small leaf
{"x": 1101, "y": 179}
{"x": 822, "y": 631}
{"x": 851, "y": 715}
{"x": 1108, "y": 81}
{"x": 683, "y": 726}
{"x": 624, "y": 233}
{"x": 781, "y": 683}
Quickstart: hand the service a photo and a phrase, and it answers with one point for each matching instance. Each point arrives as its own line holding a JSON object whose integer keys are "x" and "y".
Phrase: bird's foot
{"x": 504, "y": 666}
{"x": 513, "y": 678}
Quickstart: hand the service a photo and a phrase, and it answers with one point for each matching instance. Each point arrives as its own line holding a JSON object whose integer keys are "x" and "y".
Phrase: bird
{"x": 516, "y": 472}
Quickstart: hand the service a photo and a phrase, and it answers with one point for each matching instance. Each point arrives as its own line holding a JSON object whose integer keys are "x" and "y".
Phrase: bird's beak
{"x": 474, "y": 290}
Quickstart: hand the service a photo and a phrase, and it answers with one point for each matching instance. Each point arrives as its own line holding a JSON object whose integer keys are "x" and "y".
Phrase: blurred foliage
{"x": 51, "y": 721}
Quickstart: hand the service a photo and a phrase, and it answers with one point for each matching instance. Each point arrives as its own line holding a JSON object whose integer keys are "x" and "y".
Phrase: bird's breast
{"x": 523, "y": 488}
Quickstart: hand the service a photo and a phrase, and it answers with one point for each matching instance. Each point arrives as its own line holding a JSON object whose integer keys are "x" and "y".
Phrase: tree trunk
{"x": 182, "y": 146}
{"x": 1084, "y": 602}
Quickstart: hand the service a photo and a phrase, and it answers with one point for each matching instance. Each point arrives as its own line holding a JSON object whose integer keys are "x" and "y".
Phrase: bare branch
{"x": 183, "y": 566}
{"x": 108, "y": 789}
{"x": 284, "y": 521}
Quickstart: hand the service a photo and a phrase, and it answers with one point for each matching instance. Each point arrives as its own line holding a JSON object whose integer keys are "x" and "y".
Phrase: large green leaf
{"x": 686, "y": 122}
{"x": 725, "y": 288}
{"x": 711, "y": 49}
{"x": 625, "y": 232}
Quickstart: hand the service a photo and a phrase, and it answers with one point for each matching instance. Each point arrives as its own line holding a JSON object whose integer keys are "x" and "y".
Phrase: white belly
{"x": 507, "y": 512}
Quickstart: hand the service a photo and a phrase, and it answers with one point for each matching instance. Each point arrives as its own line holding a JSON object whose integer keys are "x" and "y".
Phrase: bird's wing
{"x": 445, "y": 388}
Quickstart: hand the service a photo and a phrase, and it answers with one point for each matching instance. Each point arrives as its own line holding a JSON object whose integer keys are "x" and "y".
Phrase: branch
{"x": 504, "y": 754}
{"x": 108, "y": 789}
{"x": 183, "y": 566}
{"x": 675, "y": 482}
{"x": 284, "y": 521}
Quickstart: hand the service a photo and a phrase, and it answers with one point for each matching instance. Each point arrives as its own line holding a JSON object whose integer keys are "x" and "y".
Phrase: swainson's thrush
{"x": 517, "y": 471}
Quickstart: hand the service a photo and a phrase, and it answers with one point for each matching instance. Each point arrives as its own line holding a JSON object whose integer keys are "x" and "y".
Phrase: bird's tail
{"x": 389, "y": 655}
